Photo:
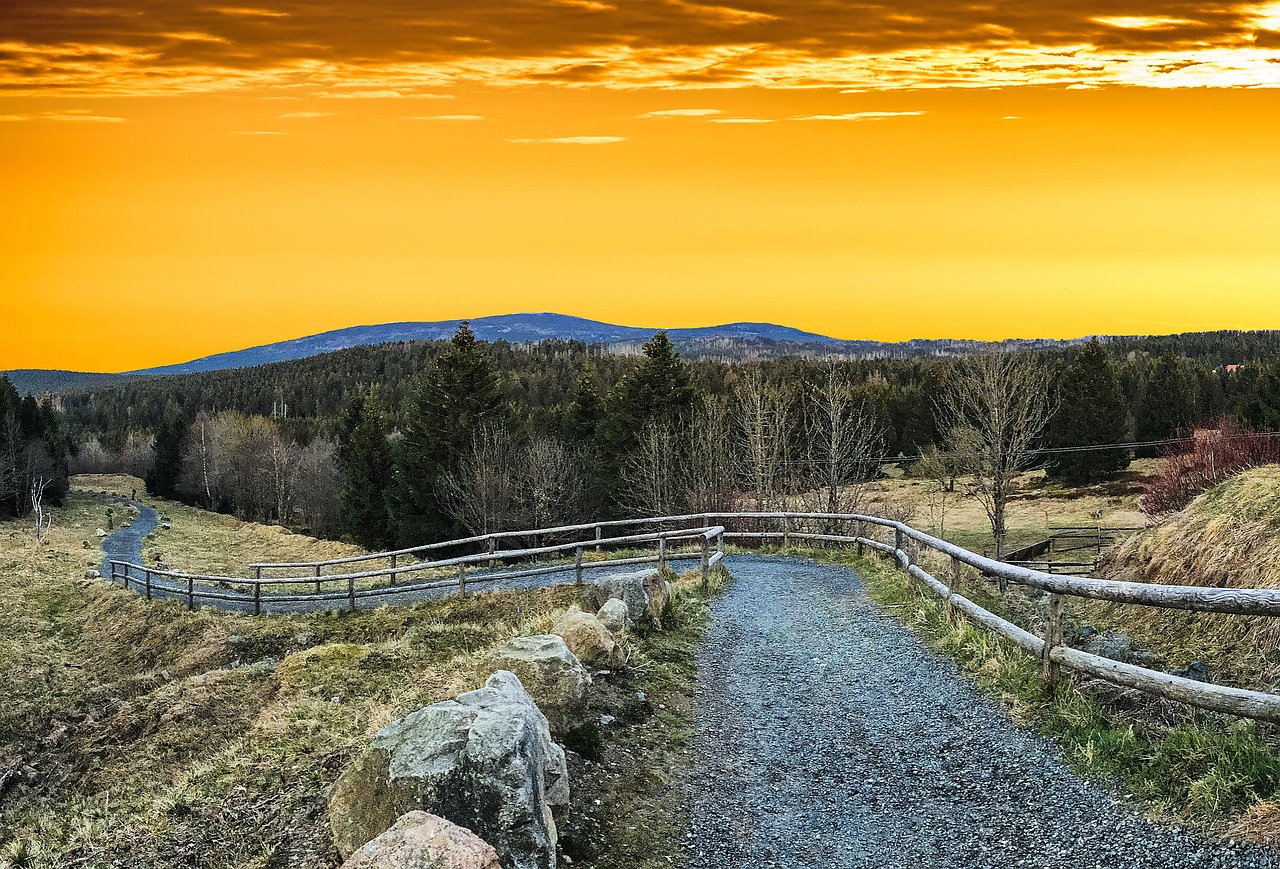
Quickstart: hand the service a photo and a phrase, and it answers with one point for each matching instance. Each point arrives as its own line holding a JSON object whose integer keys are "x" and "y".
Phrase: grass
{"x": 1210, "y": 771}
{"x": 143, "y": 733}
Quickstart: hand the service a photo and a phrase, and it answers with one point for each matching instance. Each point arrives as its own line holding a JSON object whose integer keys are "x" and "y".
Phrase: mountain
{"x": 514, "y": 328}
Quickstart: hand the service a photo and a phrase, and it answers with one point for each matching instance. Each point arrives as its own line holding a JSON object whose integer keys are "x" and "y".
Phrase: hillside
{"x": 140, "y": 734}
{"x": 1227, "y": 537}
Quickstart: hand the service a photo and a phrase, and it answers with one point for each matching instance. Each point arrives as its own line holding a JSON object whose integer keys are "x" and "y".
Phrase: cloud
{"x": 1011, "y": 118}
{"x": 571, "y": 140}
{"x": 382, "y": 94}
{"x": 680, "y": 113}
{"x": 389, "y": 49}
{"x": 79, "y": 115}
{"x": 446, "y": 118}
{"x": 742, "y": 120}
{"x": 292, "y": 115}
{"x": 858, "y": 116}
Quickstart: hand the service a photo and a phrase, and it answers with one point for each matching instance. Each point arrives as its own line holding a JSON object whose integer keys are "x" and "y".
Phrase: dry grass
{"x": 1228, "y": 537}
{"x": 149, "y": 735}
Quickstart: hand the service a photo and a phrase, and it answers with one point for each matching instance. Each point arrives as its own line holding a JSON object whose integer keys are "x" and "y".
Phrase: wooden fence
{"x": 789, "y": 528}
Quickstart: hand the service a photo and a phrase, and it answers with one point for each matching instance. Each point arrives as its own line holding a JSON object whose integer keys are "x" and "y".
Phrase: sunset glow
{"x": 183, "y": 179}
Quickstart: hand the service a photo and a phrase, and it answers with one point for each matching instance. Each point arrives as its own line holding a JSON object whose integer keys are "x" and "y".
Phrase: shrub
{"x": 1203, "y": 460}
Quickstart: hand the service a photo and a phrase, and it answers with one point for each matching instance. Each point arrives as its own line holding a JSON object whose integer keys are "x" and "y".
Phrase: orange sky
{"x": 183, "y": 179}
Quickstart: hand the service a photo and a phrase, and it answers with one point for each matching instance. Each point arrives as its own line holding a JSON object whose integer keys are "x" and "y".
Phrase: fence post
{"x": 351, "y": 593}
{"x": 257, "y": 598}
{"x": 786, "y": 532}
{"x": 147, "y": 575}
{"x": 899, "y": 544}
{"x": 662, "y": 551}
{"x": 720, "y": 541}
{"x": 953, "y": 586}
{"x": 599, "y": 536}
{"x": 257, "y": 573}
{"x": 462, "y": 579}
{"x": 1052, "y": 637}
{"x": 706, "y": 562}
{"x": 577, "y": 565}
{"x": 191, "y": 593}
{"x": 493, "y": 547}
{"x": 318, "y": 578}
{"x": 394, "y": 561}
{"x": 859, "y": 531}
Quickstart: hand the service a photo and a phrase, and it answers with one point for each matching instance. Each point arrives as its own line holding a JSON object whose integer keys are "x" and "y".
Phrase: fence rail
{"x": 708, "y": 539}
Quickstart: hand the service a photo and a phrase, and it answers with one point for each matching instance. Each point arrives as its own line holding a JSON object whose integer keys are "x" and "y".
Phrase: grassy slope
{"x": 152, "y": 736}
{"x": 1229, "y": 536}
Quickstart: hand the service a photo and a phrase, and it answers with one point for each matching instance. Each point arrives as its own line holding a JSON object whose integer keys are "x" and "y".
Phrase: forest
{"x": 403, "y": 443}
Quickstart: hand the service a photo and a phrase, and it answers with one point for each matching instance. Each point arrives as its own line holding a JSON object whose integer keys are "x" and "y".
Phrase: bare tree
{"x": 551, "y": 484}
{"x": 43, "y": 520}
{"x": 844, "y": 441}
{"x": 479, "y": 491}
{"x": 318, "y": 487}
{"x": 992, "y": 408}
{"x": 764, "y": 423}
{"x": 651, "y": 473}
{"x": 941, "y": 469}
{"x": 198, "y": 463}
{"x": 282, "y": 456}
{"x": 708, "y": 477}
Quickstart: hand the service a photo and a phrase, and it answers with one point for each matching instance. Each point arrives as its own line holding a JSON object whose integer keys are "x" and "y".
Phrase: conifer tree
{"x": 454, "y": 397}
{"x": 583, "y": 417}
{"x": 1091, "y": 410}
{"x": 170, "y": 441}
{"x": 1169, "y": 399}
{"x": 1263, "y": 410}
{"x": 365, "y": 455}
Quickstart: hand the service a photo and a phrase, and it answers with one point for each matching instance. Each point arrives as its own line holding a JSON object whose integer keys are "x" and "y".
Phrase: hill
{"x": 1228, "y": 537}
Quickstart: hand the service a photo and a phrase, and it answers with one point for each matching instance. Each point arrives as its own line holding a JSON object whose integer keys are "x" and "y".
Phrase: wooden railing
{"x": 705, "y": 544}
{"x": 790, "y": 528}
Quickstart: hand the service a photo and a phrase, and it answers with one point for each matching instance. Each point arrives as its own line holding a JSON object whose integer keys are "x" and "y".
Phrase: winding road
{"x": 126, "y": 543}
{"x": 828, "y": 735}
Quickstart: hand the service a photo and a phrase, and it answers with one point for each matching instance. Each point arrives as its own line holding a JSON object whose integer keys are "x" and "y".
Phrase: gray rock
{"x": 423, "y": 841}
{"x": 616, "y": 616}
{"x": 551, "y": 673}
{"x": 590, "y": 641}
{"x": 1117, "y": 647}
{"x": 484, "y": 761}
{"x": 645, "y": 592}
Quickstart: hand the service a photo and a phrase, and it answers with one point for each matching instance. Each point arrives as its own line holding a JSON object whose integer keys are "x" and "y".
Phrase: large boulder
{"x": 615, "y": 616}
{"x": 484, "y": 761}
{"x": 589, "y": 640}
{"x": 551, "y": 673}
{"x": 645, "y": 592}
{"x": 422, "y": 841}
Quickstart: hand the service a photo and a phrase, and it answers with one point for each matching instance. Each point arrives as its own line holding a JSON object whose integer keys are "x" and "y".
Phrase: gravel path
{"x": 829, "y": 736}
{"x": 126, "y": 544}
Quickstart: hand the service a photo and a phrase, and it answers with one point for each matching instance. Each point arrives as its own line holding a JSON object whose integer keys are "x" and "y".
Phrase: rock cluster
{"x": 423, "y": 841}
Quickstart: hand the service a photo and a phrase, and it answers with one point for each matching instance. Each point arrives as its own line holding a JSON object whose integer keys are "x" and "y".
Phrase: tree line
{"x": 34, "y": 453}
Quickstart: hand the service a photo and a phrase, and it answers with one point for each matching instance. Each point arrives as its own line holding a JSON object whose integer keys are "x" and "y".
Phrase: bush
{"x": 1208, "y": 458}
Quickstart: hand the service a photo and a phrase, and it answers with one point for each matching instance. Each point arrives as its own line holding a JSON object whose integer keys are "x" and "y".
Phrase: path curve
{"x": 827, "y": 735}
{"x": 125, "y": 544}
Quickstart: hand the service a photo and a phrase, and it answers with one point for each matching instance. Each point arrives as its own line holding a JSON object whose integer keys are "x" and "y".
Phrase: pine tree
{"x": 454, "y": 397}
{"x": 658, "y": 392}
{"x": 1091, "y": 410}
{"x": 1263, "y": 409}
{"x": 1169, "y": 399}
{"x": 582, "y": 420}
{"x": 365, "y": 455}
{"x": 166, "y": 468}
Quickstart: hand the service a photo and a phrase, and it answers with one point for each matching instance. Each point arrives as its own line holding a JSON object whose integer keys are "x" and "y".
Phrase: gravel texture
{"x": 828, "y": 736}
{"x": 126, "y": 543}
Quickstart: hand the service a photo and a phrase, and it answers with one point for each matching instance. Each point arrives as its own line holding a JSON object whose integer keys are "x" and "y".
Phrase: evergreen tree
{"x": 1091, "y": 410}
{"x": 454, "y": 397}
{"x": 583, "y": 417}
{"x": 658, "y": 391}
{"x": 166, "y": 468}
{"x": 1263, "y": 409}
{"x": 1169, "y": 400}
{"x": 365, "y": 455}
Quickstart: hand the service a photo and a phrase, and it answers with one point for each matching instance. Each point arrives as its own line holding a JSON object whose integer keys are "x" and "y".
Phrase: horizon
{"x": 187, "y": 181}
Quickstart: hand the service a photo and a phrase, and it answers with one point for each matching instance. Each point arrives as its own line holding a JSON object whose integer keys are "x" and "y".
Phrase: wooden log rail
{"x": 197, "y": 588}
{"x": 789, "y": 528}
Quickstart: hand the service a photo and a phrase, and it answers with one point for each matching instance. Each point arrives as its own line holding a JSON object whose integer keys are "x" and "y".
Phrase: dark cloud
{"x": 624, "y": 42}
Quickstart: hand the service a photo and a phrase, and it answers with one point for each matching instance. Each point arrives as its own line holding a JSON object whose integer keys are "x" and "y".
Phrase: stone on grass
{"x": 590, "y": 641}
{"x": 645, "y": 593}
{"x": 552, "y": 675}
{"x": 423, "y": 841}
{"x": 615, "y": 616}
{"x": 484, "y": 761}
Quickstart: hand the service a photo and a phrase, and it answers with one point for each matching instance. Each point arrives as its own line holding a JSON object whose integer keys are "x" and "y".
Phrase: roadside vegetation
{"x": 140, "y": 734}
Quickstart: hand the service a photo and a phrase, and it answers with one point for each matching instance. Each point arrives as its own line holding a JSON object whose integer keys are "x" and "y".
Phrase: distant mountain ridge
{"x": 729, "y": 342}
